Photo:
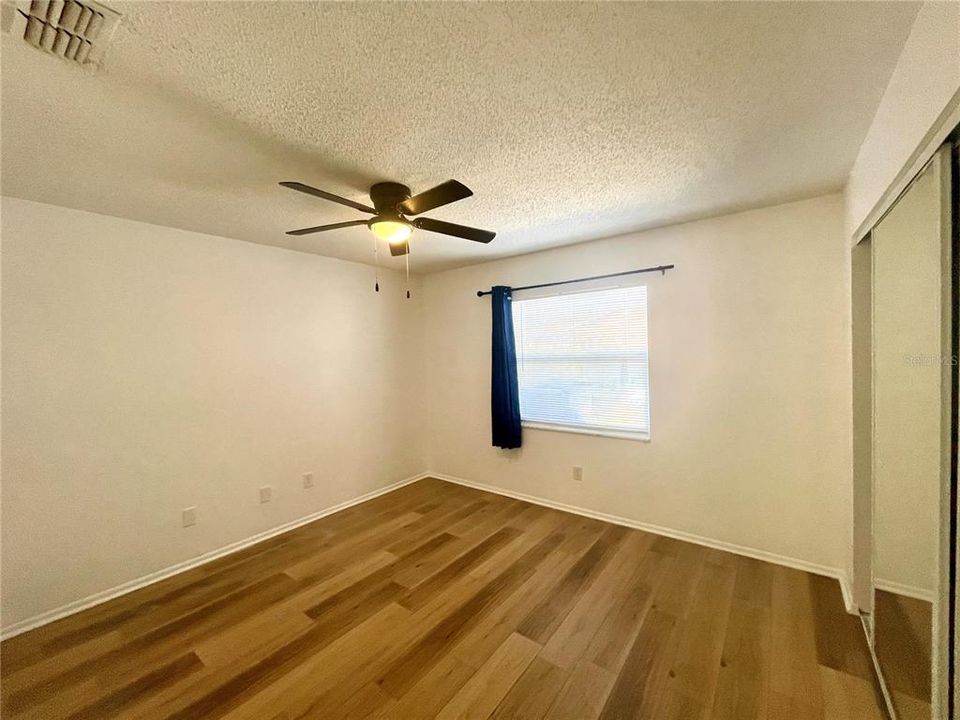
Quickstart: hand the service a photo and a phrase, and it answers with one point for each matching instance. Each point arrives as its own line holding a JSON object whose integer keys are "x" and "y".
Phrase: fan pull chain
{"x": 406, "y": 259}
{"x": 376, "y": 265}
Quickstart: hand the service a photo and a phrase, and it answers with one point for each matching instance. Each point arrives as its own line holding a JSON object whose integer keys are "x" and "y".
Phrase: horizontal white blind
{"x": 582, "y": 360}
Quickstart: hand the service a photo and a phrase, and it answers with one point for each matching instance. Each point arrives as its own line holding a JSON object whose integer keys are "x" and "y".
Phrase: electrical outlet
{"x": 189, "y": 516}
{"x": 266, "y": 492}
{"x": 307, "y": 480}
{"x": 578, "y": 473}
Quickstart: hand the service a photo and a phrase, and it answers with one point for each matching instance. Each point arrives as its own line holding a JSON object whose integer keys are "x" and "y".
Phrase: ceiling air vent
{"x": 75, "y": 31}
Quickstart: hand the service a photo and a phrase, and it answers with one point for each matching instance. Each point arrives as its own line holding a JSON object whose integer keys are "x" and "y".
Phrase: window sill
{"x": 598, "y": 432}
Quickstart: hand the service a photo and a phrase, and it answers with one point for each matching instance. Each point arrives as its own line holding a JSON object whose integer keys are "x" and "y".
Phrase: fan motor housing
{"x": 386, "y": 196}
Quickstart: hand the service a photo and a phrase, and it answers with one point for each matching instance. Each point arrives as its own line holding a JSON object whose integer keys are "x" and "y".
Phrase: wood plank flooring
{"x": 904, "y": 643}
{"x": 439, "y": 601}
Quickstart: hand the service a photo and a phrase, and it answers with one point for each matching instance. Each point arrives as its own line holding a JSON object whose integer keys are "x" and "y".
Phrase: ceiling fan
{"x": 392, "y": 203}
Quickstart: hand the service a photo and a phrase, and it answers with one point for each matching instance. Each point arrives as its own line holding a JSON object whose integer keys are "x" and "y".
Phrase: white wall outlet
{"x": 578, "y": 473}
{"x": 189, "y": 516}
{"x": 308, "y": 480}
{"x": 266, "y": 492}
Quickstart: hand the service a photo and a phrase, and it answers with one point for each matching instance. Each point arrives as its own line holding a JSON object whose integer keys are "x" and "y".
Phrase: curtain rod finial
{"x": 479, "y": 293}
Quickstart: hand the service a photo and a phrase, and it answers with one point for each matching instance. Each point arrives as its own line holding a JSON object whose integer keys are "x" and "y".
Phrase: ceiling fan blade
{"x": 327, "y": 196}
{"x": 321, "y": 228}
{"x": 399, "y": 249}
{"x": 462, "y": 231}
{"x": 442, "y": 194}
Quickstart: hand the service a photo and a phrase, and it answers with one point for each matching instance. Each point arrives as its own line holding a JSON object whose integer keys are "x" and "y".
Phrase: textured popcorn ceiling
{"x": 569, "y": 121}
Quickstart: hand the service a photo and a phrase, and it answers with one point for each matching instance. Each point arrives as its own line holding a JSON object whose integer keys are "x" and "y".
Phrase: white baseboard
{"x": 908, "y": 590}
{"x": 128, "y": 587}
{"x": 847, "y": 591}
{"x": 774, "y": 558}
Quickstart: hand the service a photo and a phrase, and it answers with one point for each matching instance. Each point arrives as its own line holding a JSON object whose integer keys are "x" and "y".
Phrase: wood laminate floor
{"x": 442, "y": 601}
{"x": 903, "y": 633}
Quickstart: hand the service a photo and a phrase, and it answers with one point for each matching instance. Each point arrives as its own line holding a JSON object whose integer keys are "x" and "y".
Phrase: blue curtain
{"x": 504, "y": 389}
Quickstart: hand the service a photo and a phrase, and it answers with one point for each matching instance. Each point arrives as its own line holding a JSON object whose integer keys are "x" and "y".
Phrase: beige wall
{"x": 750, "y": 384}
{"x": 924, "y": 81}
{"x": 147, "y": 369}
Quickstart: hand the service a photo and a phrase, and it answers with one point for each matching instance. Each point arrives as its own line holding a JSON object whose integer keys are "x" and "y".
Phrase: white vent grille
{"x": 75, "y": 31}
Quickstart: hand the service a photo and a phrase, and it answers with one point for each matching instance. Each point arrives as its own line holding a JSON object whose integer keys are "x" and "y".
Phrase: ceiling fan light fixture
{"x": 392, "y": 203}
{"x": 392, "y": 230}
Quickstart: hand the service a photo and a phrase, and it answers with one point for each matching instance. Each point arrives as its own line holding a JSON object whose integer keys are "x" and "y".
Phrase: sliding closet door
{"x": 862, "y": 312}
{"x": 911, "y": 391}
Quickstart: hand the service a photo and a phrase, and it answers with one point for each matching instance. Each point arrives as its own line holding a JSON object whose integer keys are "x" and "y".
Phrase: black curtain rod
{"x": 662, "y": 269}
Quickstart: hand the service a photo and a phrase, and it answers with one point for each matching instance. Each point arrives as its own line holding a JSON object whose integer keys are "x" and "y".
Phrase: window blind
{"x": 582, "y": 360}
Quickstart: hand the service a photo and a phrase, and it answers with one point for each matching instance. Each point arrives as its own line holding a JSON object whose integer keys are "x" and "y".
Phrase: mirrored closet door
{"x": 912, "y": 373}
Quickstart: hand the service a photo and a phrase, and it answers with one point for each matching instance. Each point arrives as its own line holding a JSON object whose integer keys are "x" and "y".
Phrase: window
{"x": 582, "y": 362}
